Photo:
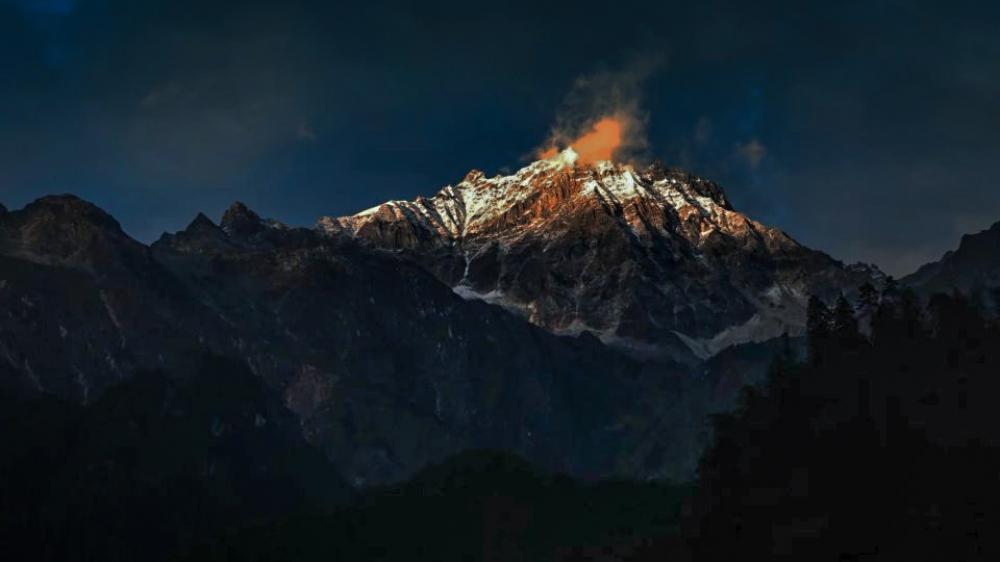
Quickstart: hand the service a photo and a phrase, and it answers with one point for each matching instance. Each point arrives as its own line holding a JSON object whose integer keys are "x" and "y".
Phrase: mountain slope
{"x": 386, "y": 368}
{"x": 653, "y": 260}
{"x": 973, "y": 268}
{"x": 86, "y": 305}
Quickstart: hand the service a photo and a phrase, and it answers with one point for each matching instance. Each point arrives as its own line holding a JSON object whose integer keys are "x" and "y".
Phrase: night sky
{"x": 865, "y": 129}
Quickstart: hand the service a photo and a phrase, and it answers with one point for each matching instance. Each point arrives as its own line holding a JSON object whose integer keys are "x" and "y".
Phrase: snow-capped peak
{"x": 509, "y": 203}
{"x": 567, "y": 158}
{"x": 639, "y": 254}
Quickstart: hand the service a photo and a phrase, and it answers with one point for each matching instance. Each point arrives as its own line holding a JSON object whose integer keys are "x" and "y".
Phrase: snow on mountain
{"x": 647, "y": 258}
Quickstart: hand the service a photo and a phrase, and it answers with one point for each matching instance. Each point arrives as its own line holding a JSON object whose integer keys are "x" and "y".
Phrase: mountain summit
{"x": 651, "y": 259}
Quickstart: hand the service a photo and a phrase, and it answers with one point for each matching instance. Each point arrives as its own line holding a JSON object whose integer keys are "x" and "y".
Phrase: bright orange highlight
{"x": 547, "y": 153}
{"x": 600, "y": 143}
{"x": 597, "y": 144}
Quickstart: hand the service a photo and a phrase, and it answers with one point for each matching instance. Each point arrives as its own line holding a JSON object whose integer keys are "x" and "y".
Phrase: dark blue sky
{"x": 865, "y": 129}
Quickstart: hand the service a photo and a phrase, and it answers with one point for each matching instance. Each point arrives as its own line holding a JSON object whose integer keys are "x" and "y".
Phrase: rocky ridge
{"x": 973, "y": 268}
{"x": 654, "y": 260}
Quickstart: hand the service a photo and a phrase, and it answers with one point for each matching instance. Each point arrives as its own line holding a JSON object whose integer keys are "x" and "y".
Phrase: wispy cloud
{"x": 751, "y": 153}
{"x": 306, "y": 133}
{"x": 607, "y": 95}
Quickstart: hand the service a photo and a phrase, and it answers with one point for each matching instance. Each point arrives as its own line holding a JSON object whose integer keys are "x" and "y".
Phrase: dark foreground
{"x": 882, "y": 444}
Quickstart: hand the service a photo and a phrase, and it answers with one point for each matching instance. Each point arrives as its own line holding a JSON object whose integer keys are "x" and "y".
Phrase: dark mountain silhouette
{"x": 386, "y": 368}
{"x": 973, "y": 268}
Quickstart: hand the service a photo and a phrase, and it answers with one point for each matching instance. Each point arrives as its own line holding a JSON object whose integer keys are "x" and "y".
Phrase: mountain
{"x": 86, "y": 305}
{"x": 973, "y": 268}
{"x": 652, "y": 260}
{"x": 379, "y": 331}
{"x": 385, "y": 368}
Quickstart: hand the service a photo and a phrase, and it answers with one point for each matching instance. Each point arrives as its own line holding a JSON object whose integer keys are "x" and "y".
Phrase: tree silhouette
{"x": 844, "y": 325}
{"x": 868, "y": 299}
{"x": 818, "y": 328}
{"x": 886, "y": 447}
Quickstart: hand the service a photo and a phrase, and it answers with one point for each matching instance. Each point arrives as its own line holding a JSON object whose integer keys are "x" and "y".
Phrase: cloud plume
{"x": 602, "y": 116}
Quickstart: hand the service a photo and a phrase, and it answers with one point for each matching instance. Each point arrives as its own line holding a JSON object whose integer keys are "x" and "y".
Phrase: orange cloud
{"x": 599, "y": 143}
{"x": 547, "y": 153}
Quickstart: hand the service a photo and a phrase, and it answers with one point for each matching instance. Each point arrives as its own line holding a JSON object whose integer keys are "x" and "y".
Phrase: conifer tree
{"x": 843, "y": 324}
{"x": 817, "y": 328}
{"x": 867, "y": 299}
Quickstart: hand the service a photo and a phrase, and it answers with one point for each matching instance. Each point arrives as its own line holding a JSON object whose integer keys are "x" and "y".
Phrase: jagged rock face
{"x": 84, "y": 305}
{"x": 973, "y": 268}
{"x": 65, "y": 230}
{"x": 652, "y": 259}
{"x": 386, "y": 368}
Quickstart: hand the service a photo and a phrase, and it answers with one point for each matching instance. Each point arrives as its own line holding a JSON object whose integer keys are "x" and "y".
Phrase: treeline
{"x": 883, "y": 444}
{"x": 478, "y": 505}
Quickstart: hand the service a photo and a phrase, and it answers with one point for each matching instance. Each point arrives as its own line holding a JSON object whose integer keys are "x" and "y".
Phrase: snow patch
{"x": 759, "y": 328}
{"x": 495, "y": 296}
{"x": 113, "y": 317}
